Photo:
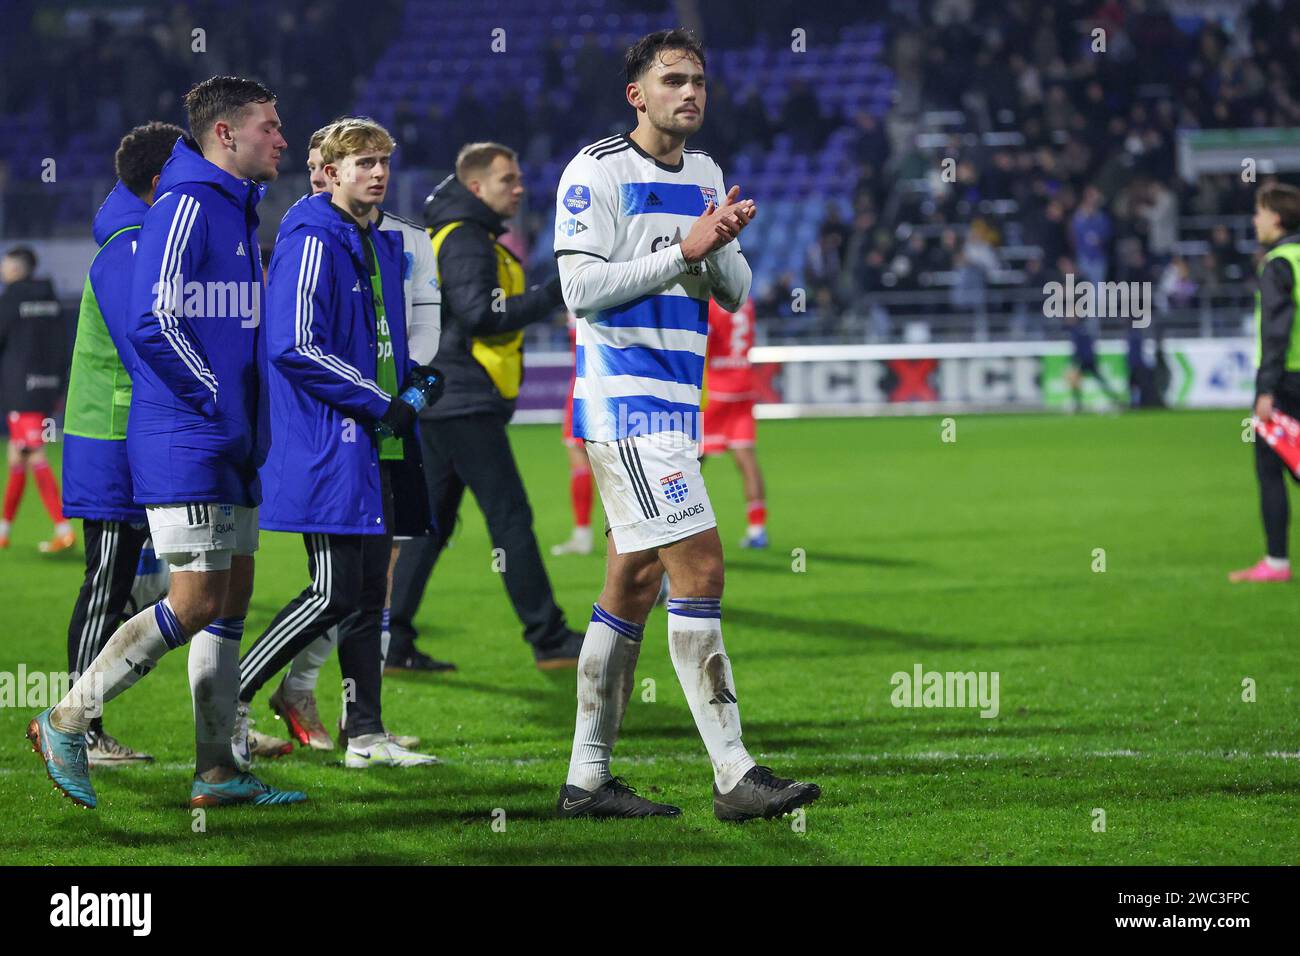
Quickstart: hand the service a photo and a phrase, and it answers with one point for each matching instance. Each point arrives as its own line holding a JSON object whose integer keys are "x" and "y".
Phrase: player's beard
{"x": 679, "y": 124}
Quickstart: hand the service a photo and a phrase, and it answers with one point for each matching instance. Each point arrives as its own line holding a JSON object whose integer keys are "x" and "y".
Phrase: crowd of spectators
{"x": 81, "y": 76}
{"x": 1021, "y": 147}
{"x": 96, "y": 69}
{"x": 1052, "y": 152}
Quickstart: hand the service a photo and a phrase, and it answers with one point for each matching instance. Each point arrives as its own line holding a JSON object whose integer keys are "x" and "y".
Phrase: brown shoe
{"x": 564, "y": 653}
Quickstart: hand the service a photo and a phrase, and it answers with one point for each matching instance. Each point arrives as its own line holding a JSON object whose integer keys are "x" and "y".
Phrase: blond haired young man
{"x": 342, "y": 390}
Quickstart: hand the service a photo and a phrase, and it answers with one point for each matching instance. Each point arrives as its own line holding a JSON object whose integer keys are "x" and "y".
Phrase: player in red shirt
{"x": 729, "y": 412}
{"x": 579, "y": 470}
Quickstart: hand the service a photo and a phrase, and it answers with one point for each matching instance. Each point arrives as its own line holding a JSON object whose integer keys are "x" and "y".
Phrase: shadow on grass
{"x": 451, "y": 684}
{"x": 869, "y": 637}
{"x": 615, "y": 842}
{"x": 778, "y": 562}
{"x": 841, "y": 630}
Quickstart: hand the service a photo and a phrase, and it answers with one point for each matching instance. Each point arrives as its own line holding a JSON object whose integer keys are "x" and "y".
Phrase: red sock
{"x": 757, "y": 513}
{"x": 14, "y": 490}
{"x": 580, "y": 493}
{"x": 49, "y": 490}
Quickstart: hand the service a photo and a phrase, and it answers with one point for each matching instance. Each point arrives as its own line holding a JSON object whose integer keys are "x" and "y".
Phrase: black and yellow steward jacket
{"x": 485, "y": 305}
{"x": 1277, "y": 308}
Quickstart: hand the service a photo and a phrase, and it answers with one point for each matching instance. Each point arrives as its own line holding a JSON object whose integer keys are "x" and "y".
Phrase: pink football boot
{"x": 1261, "y": 572}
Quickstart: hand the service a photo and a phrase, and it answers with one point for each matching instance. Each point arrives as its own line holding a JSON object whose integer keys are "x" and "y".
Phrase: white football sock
{"x": 606, "y": 669}
{"x": 1278, "y": 564}
{"x": 132, "y": 652}
{"x": 304, "y": 670}
{"x": 214, "y": 685}
{"x": 695, "y": 645}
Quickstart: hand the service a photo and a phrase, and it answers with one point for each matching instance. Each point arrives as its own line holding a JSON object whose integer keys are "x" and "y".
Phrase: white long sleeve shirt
{"x": 642, "y": 309}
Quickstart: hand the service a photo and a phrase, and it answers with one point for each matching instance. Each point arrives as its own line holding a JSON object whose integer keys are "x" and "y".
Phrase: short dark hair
{"x": 476, "y": 157}
{"x": 25, "y": 255}
{"x": 141, "y": 154}
{"x": 646, "y": 50}
{"x": 221, "y": 98}
{"x": 1283, "y": 200}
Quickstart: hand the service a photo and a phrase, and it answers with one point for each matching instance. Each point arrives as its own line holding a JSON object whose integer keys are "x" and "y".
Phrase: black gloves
{"x": 399, "y": 420}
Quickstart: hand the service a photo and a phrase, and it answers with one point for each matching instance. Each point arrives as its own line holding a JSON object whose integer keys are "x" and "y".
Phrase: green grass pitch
{"x": 1120, "y": 690}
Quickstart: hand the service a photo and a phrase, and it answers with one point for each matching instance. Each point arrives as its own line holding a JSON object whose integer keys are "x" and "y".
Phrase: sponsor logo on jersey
{"x": 662, "y": 242}
{"x": 570, "y": 227}
{"x": 577, "y": 199}
{"x": 674, "y": 486}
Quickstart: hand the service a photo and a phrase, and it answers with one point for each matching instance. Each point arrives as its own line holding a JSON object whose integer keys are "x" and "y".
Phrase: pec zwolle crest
{"x": 674, "y": 486}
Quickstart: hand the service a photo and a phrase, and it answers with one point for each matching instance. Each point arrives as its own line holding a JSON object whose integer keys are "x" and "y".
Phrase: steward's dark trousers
{"x": 473, "y": 451}
{"x": 1270, "y": 471}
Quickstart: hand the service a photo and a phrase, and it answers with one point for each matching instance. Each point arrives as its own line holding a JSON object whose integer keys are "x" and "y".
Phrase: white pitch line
{"x": 928, "y": 756}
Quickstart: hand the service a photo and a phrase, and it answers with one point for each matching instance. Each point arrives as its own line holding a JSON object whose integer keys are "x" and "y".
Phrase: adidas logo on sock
{"x": 240, "y": 251}
{"x": 724, "y": 697}
{"x": 140, "y": 669}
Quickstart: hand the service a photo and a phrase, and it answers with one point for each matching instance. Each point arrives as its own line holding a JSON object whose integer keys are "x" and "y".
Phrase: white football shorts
{"x": 652, "y": 489}
{"x": 201, "y": 537}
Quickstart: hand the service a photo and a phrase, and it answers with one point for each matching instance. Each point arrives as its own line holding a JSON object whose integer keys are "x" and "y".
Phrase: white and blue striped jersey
{"x": 639, "y": 362}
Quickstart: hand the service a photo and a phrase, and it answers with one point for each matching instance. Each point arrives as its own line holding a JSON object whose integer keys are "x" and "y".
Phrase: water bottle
{"x": 416, "y": 395}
